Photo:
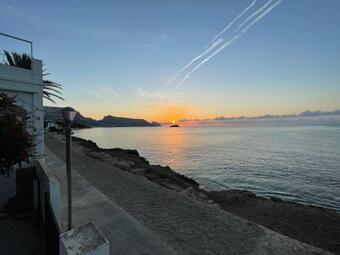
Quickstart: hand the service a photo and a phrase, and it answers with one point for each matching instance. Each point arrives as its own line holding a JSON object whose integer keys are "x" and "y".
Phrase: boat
{"x": 174, "y": 125}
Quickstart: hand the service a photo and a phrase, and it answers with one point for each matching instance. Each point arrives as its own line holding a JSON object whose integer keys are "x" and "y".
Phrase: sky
{"x": 117, "y": 57}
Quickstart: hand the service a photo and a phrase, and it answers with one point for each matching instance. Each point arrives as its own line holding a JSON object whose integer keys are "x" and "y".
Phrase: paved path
{"x": 125, "y": 234}
{"x": 188, "y": 226}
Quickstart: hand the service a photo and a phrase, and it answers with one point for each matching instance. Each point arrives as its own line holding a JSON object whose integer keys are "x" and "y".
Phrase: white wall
{"x": 27, "y": 86}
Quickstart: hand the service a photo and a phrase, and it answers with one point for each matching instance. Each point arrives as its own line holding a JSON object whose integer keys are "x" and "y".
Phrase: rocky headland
{"x": 53, "y": 115}
{"x": 317, "y": 226}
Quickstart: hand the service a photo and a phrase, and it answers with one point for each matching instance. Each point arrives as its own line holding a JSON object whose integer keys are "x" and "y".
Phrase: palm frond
{"x": 52, "y": 84}
{"x": 50, "y": 88}
{"x": 19, "y": 60}
{"x": 9, "y": 58}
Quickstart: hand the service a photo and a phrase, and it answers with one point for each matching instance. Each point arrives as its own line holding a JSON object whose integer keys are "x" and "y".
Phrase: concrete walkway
{"x": 126, "y": 236}
{"x": 188, "y": 226}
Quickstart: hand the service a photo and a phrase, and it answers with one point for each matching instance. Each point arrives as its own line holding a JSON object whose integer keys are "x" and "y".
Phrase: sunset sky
{"x": 116, "y": 57}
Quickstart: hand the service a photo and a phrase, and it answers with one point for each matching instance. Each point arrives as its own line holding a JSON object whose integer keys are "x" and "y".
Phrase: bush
{"x": 15, "y": 141}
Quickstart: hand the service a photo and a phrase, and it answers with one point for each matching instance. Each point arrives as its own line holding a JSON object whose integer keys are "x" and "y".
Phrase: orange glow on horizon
{"x": 182, "y": 114}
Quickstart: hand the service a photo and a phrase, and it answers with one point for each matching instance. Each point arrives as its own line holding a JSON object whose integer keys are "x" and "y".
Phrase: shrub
{"x": 15, "y": 141}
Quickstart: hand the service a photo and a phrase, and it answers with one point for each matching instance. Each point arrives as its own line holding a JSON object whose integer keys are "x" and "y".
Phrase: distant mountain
{"x": 124, "y": 122}
{"x": 53, "y": 114}
{"x": 80, "y": 119}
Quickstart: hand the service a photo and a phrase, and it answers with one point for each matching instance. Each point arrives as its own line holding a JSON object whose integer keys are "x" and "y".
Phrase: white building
{"x": 27, "y": 86}
{"x": 49, "y": 192}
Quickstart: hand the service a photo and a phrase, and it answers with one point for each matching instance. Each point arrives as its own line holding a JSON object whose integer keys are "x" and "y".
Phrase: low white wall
{"x": 48, "y": 184}
{"x": 82, "y": 240}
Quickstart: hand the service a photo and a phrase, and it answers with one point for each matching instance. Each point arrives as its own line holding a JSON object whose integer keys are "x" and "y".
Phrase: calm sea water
{"x": 294, "y": 163}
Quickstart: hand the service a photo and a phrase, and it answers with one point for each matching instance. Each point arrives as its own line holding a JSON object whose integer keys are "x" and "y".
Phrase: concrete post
{"x": 85, "y": 240}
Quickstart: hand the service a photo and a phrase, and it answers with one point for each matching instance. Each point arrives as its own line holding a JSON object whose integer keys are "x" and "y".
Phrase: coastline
{"x": 307, "y": 223}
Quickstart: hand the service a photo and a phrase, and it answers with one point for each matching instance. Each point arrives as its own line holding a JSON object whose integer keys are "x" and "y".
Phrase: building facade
{"x": 27, "y": 87}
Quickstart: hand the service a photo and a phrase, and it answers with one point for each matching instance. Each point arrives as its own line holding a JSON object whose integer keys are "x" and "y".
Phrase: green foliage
{"x": 15, "y": 141}
{"x": 20, "y": 60}
{"x": 50, "y": 89}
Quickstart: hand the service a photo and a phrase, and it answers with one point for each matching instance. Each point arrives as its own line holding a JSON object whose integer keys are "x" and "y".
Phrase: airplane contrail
{"x": 255, "y": 13}
{"x": 233, "y": 39}
{"x": 212, "y": 44}
{"x": 262, "y": 15}
{"x": 232, "y": 22}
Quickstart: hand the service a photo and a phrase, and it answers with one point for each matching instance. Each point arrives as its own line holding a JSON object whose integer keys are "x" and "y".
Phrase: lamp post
{"x": 68, "y": 114}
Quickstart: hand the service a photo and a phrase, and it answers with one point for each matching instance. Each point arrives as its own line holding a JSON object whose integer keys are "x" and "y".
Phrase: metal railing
{"x": 19, "y": 39}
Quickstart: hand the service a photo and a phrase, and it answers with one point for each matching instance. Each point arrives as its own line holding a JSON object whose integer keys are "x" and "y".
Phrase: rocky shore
{"x": 317, "y": 226}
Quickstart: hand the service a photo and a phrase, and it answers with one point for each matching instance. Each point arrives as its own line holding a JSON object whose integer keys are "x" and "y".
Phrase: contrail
{"x": 214, "y": 45}
{"x": 262, "y": 15}
{"x": 255, "y": 13}
{"x": 232, "y": 22}
{"x": 235, "y": 37}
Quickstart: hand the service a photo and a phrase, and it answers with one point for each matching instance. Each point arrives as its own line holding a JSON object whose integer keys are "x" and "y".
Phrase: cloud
{"x": 306, "y": 113}
{"x": 140, "y": 92}
{"x": 102, "y": 92}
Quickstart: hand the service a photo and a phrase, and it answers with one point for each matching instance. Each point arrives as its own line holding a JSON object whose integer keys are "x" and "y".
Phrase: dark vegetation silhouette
{"x": 15, "y": 141}
{"x": 51, "y": 89}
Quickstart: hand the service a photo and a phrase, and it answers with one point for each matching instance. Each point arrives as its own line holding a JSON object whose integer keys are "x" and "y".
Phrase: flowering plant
{"x": 15, "y": 141}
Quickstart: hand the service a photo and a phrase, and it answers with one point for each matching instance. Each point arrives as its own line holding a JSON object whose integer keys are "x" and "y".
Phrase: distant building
{"x": 52, "y": 116}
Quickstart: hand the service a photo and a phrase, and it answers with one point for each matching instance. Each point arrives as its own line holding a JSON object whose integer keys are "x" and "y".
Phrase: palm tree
{"x": 20, "y": 60}
{"x": 50, "y": 89}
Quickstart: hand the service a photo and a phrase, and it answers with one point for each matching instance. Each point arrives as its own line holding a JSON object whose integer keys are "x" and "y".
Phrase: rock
{"x": 140, "y": 171}
{"x": 202, "y": 196}
{"x": 131, "y": 161}
{"x": 210, "y": 202}
{"x": 197, "y": 195}
{"x": 98, "y": 155}
{"x": 276, "y": 199}
{"x": 124, "y": 165}
{"x": 172, "y": 186}
{"x": 189, "y": 192}
{"x": 217, "y": 206}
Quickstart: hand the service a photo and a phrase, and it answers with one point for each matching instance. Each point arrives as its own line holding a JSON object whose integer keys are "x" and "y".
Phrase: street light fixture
{"x": 68, "y": 115}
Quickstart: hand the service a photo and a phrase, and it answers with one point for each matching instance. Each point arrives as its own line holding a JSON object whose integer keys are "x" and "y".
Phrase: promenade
{"x": 187, "y": 226}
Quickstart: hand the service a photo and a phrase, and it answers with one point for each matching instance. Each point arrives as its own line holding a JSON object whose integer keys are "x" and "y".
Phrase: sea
{"x": 294, "y": 163}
